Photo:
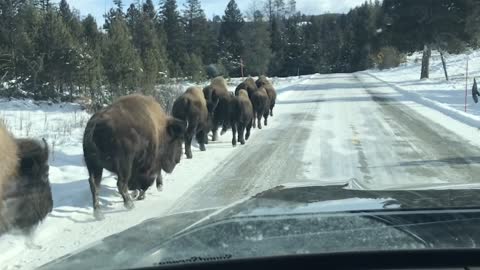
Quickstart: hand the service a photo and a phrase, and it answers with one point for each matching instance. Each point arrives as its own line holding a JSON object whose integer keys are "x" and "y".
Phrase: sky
{"x": 217, "y": 7}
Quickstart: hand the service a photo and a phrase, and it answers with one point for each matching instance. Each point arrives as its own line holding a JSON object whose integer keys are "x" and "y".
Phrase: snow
{"x": 333, "y": 159}
{"x": 71, "y": 225}
{"x": 441, "y": 100}
{"x": 329, "y": 206}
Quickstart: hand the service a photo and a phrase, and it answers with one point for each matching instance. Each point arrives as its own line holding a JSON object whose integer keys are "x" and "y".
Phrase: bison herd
{"x": 133, "y": 138}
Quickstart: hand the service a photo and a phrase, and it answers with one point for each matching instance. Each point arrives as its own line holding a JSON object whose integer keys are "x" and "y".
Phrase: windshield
{"x": 286, "y": 126}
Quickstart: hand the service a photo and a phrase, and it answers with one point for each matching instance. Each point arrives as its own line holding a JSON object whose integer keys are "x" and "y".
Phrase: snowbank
{"x": 447, "y": 97}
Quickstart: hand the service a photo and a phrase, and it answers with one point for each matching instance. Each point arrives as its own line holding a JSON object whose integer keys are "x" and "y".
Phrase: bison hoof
{"x": 31, "y": 245}
{"x": 189, "y": 156}
{"x": 98, "y": 215}
{"x": 160, "y": 187}
{"x": 141, "y": 196}
{"x": 134, "y": 194}
{"x": 271, "y": 113}
{"x": 129, "y": 205}
{"x": 242, "y": 142}
{"x": 202, "y": 147}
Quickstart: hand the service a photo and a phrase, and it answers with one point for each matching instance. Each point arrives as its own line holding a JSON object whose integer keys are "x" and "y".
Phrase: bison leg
{"x": 94, "y": 180}
{"x": 234, "y": 134}
{"x": 159, "y": 182}
{"x": 265, "y": 116}
{"x": 259, "y": 120}
{"x": 188, "y": 140}
{"x": 141, "y": 196}
{"x": 201, "y": 135}
{"x": 29, "y": 240}
{"x": 123, "y": 168}
{"x": 271, "y": 109}
{"x": 254, "y": 119}
{"x": 215, "y": 133}
{"x": 188, "y": 146}
{"x": 249, "y": 127}
{"x": 241, "y": 130}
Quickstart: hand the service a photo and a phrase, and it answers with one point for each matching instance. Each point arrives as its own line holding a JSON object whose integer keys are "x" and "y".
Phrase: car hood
{"x": 293, "y": 220}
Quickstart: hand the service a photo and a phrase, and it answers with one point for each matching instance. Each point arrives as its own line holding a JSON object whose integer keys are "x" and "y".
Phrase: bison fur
{"x": 136, "y": 140}
{"x": 191, "y": 107}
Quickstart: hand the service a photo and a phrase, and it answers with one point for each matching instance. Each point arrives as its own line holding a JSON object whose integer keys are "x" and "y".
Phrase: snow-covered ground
{"x": 335, "y": 115}
{"x": 436, "y": 92}
{"x": 71, "y": 224}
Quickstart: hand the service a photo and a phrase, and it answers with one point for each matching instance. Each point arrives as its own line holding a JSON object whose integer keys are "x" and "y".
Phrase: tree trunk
{"x": 444, "y": 64}
{"x": 427, "y": 51}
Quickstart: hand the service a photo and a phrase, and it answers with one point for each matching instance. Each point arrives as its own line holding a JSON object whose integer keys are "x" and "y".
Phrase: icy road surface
{"x": 337, "y": 127}
{"x": 325, "y": 129}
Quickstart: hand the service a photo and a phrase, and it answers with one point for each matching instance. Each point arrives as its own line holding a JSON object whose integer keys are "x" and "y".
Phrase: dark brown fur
{"x": 260, "y": 104}
{"x": 133, "y": 138}
{"x": 26, "y": 198}
{"x": 192, "y": 108}
{"x": 272, "y": 94}
{"x": 249, "y": 85}
{"x": 219, "y": 104}
{"x": 242, "y": 117}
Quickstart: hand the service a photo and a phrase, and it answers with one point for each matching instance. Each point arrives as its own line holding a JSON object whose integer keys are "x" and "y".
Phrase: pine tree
{"x": 472, "y": 23}
{"x": 149, "y": 10}
{"x": 91, "y": 67}
{"x": 230, "y": 38}
{"x": 195, "y": 28}
{"x": 257, "y": 51}
{"x": 152, "y": 50}
{"x": 121, "y": 62}
{"x": 194, "y": 68}
{"x": 175, "y": 36}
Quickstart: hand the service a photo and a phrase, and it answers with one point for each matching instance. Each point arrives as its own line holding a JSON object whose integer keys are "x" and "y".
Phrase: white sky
{"x": 217, "y": 7}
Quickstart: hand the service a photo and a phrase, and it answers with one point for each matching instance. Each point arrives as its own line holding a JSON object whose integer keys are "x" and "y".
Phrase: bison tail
{"x": 97, "y": 135}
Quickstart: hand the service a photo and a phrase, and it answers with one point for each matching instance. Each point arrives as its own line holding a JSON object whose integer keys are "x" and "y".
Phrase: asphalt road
{"x": 332, "y": 128}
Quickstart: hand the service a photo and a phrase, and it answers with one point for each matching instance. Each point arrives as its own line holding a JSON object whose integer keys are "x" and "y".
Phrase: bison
{"x": 135, "y": 139}
{"x": 258, "y": 97}
{"x": 26, "y": 196}
{"x": 249, "y": 85}
{"x": 219, "y": 102}
{"x": 272, "y": 94}
{"x": 192, "y": 108}
{"x": 260, "y": 102}
{"x": 242, "y": 117}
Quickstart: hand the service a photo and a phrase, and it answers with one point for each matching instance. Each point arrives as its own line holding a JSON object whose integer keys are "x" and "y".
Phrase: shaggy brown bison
{"x": 258, "y": 97}
{"x": 192, "y": 108}
{"x": 249, "y": 85}
{"x": 219, "y": 104}
{"x": 272, "y": 94}
{"x": 135, "y": 139}
{"x": 260, "y": 102}
{"x": 242, "y": 117}
{"x": 26, "y": 196}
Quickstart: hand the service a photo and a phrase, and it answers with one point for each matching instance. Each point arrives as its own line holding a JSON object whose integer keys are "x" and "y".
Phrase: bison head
{"x": 173, "y": 148}
{"x": 33, "y": 157}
